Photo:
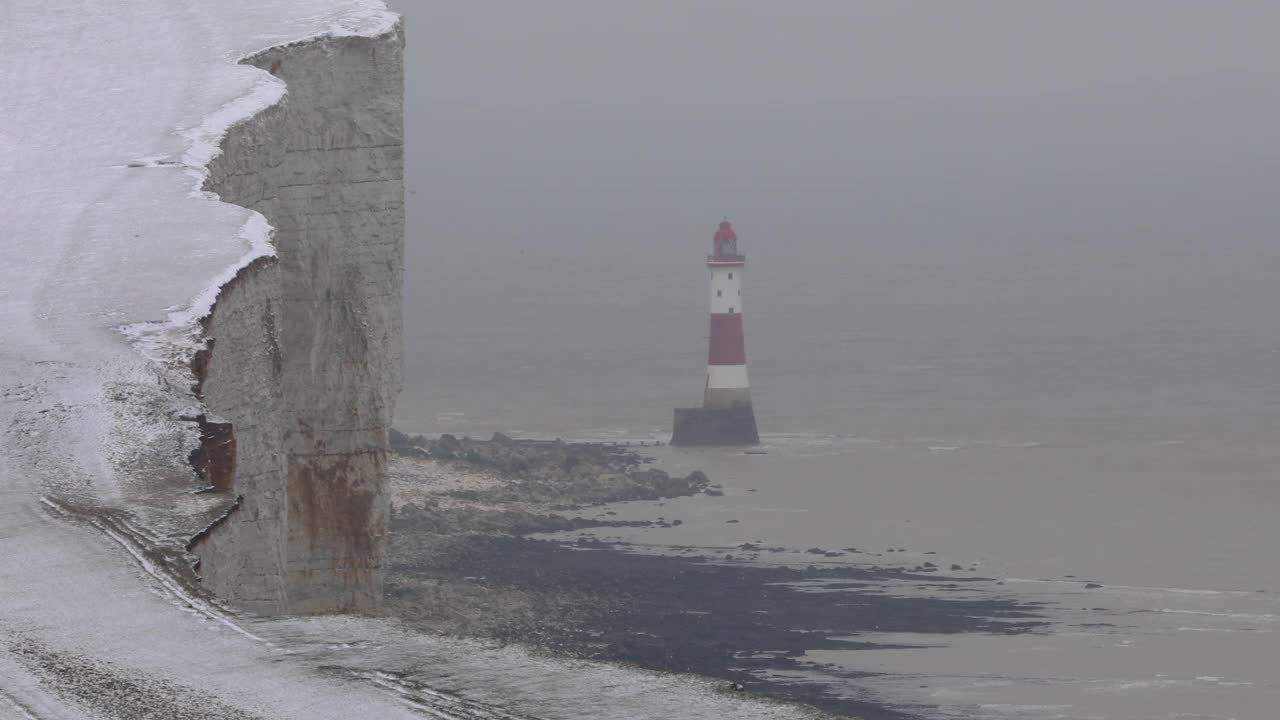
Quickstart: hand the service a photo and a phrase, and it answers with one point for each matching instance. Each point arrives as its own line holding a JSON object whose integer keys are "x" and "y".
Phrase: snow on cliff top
{"x": 110, "y": 110}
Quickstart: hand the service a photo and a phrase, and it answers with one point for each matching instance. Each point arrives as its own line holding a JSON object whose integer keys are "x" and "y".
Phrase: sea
{"x": 1089, "y": 419}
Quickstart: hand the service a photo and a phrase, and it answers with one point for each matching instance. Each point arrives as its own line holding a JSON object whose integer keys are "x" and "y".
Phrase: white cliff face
{"x": 304, "y": 350}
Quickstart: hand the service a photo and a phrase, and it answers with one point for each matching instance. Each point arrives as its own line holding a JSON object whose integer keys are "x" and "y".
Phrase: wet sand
{"x": 729, "y": 614}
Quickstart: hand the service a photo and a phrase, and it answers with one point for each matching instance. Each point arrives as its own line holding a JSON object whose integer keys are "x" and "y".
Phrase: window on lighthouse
{"x": 719, "y": 293}
{"x": 730, "y": 276}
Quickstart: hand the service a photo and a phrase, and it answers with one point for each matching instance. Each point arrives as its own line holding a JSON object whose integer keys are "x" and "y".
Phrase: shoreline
{"x": 461, "y": 562}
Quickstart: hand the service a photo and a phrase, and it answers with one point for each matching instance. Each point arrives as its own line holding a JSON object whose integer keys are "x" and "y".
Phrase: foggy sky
{"x": 890, "y": 121}
{"x": 833, "y": 93}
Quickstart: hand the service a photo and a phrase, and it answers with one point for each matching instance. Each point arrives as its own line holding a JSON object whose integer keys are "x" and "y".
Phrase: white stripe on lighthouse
{"x": 726, "y": 290}
{"x": 727, "y": 376}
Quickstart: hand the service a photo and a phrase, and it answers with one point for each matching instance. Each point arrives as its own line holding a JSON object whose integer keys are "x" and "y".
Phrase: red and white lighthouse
{"x": 726, "y": 416}
{"x": 727, "y": 360}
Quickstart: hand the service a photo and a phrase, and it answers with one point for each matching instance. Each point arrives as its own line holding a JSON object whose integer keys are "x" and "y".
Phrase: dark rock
{"x": 398, "y": 440}
{"x": 446, "y": 448}
{"x": 560, "y": 474}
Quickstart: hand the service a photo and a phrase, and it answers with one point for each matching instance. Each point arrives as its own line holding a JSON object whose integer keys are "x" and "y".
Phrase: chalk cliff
{"x": 302, "y": 355}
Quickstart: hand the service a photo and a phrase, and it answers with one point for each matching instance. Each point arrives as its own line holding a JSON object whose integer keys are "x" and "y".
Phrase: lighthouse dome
{"x": 725, "y": 242}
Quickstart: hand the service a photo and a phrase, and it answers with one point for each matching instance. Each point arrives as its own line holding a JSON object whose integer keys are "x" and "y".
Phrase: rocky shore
{"x": 461, "y": 562}
{"x": 553, "y": 474}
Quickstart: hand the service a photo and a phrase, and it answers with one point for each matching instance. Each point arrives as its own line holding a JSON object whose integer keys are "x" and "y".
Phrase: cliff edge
{"x": 301, "y": 364}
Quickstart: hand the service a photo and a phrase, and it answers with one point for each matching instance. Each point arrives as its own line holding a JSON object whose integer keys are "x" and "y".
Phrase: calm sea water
{"x": 1057, "y": 409}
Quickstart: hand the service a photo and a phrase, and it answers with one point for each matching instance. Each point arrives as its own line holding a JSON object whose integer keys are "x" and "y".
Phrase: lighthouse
{"x": 726, "y": 416}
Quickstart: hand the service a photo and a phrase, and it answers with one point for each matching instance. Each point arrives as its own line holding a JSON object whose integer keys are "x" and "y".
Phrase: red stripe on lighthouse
{"x": 727, "y": 346}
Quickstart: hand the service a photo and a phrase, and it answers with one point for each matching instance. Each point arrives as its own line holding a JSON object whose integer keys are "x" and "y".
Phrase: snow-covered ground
{"x": 109, "y": 112}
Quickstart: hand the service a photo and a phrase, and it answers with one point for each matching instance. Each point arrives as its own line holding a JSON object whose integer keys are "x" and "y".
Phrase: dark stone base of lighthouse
{"x": 715, "y": 426}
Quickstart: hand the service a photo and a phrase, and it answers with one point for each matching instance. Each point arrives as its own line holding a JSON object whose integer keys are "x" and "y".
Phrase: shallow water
{"x": 1162, "y": 635}
{"x": 1040, "y": 409}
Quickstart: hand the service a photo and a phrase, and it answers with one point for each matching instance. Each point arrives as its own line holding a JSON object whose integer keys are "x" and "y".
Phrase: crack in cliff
{"x": 208, "y": 529}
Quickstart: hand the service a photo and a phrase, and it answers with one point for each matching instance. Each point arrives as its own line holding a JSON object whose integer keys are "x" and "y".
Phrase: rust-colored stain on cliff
{"x": 215, "y": 458}
{"x": 332, "y": 497}
{"x": 336, "y": 518}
